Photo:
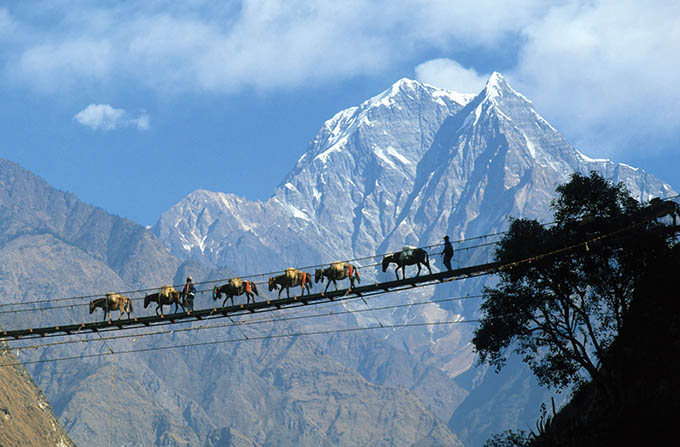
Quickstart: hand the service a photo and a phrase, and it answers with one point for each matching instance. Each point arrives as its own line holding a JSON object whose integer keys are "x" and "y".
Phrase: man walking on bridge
{"x": 188, "y": 294}
{"x": 448, "y": 253}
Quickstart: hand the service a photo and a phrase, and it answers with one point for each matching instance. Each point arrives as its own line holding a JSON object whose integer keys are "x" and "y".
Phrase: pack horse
{"x": 408, "y": 256}
{"x": 235, "y": 287}
{"x": 167, "y": 295}
{"x": 337, "y": 272}
{"x": 291, "y": 278}
{"x": 112, "y": 301}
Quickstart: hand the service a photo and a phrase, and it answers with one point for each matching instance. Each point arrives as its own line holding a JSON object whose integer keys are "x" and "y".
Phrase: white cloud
{"x": 66, "y": 63}
{"x": 450, "y": 74}
{"x": 265, "y": 44}
{"x": 607, "y": 72}
{"x": 603, "y": 71}
{"x": 104, "y": 117}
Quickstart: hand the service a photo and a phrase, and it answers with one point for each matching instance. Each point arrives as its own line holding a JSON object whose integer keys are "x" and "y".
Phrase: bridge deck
{"x": 260, "y": 306}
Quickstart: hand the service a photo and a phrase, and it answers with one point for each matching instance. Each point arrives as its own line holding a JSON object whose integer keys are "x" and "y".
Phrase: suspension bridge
{"x": 269, "y": 305}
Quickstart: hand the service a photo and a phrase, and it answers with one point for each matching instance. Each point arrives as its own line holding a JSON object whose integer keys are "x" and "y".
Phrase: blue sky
{"x": 132, "y": 105}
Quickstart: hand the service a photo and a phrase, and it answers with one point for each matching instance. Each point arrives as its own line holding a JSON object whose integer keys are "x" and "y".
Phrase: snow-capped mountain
{"x": 358, "y": 166}
{"x": 404, "y": 167}
{"x": 407, "y": 166}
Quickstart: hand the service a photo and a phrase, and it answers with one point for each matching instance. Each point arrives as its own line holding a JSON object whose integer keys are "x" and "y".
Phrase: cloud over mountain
{"x": 561, "y": 53}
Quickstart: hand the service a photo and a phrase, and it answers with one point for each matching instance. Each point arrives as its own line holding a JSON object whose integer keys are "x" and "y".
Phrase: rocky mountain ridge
{"x": 25, "y": 415}
{"x": 267, "y": 392}
{"x": 405, "y": 167}
{"x": 396, "y": 170}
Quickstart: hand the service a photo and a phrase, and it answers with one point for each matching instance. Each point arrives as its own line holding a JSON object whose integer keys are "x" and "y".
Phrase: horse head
{"x": 92, "y": 306}
{"x": 318, "y": 275}
{"x": 147, "y": 299}
{"x": 217, "y": 293}
{"x": 272, "y": 283}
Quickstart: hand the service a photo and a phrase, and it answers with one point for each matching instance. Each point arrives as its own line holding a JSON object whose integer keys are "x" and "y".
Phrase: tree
{"x": 567, "y": 290}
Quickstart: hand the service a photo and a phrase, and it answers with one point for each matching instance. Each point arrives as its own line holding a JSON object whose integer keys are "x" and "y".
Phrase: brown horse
{"x": 292, "y": 278}
{"x": 112, "y": 301}
{"x": 407, "y": 257}
{"x": 167, "y": 295}
{"x": 337, "y": 271}
{"x": 235, "y": 287}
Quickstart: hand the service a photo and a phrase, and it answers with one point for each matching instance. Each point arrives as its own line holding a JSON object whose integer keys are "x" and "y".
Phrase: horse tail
{"x": 130, "y": 305}
{"x": 254, "y": 287}
{"x": 356, "y": 273}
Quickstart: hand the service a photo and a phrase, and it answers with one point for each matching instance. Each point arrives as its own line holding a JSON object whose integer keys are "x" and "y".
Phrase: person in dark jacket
{"x": 448, "y": 253}
{"x": 188, "y": 294}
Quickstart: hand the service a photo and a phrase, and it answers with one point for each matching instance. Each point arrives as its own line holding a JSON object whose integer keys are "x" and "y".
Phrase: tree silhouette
{"x": 568, "y": 291}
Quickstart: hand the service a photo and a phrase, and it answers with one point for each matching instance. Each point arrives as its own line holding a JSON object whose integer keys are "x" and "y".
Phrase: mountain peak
{"x": 406, "y": 83}
{"x": 497, "y": 86}
{"x": 410, "y": 88}
{"x": 403, "y": 86}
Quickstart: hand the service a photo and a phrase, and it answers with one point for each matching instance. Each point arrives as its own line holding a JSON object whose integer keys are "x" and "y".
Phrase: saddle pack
{"x": 338, "y": 266}
{"x": 406, "y": 253}
{"x": 236, "y": 283}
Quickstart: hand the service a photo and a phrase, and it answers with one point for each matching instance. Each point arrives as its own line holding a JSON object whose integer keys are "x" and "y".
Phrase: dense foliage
{"x": 568, "y": 289}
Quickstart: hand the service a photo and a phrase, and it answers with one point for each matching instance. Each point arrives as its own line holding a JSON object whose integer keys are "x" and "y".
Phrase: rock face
{"x": 281, "y": 391}
{"x": 29, "y": 206}
{"x": 25, "y": 415}
{"x": 405, "y": 167}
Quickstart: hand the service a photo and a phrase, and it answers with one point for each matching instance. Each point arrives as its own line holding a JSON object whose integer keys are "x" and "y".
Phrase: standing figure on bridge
{"x": 188, "y": 294}
{"x": 448, "y": 253}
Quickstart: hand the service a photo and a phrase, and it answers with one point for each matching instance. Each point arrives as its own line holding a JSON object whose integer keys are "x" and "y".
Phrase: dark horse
{"x": 659, "y": 208}
{"x": 112, "y": 301}
{"x": 337, "y": 271}
{"x": 167, "y": 295}
{"x": 235, "y": 287}
{"x": 407, "y": 257}
{"x": 292, "y": 278}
